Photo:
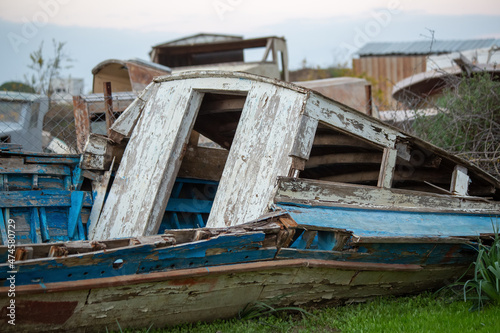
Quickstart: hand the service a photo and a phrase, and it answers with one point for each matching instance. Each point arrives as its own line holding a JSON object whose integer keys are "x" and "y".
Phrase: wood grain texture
{"x": 149, "y": 166}
{"x": 259, "y": 153}
{"x": 218, "y": 292}
{"x": 349, "y": 120}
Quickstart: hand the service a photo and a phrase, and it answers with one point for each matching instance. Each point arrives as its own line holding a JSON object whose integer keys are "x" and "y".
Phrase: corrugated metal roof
{"x": 425, "y": 47}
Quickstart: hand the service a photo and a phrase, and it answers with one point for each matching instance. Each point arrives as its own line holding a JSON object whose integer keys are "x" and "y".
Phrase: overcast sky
{"x": 321, "y": 32}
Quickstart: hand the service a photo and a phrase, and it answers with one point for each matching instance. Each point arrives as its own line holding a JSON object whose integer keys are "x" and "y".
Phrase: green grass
{"x": 422, "y": 313}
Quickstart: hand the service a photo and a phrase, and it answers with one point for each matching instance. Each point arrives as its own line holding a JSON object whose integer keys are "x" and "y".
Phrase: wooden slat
{"x": 35, "y": 234}
{"x": 125, "y": 124}
{"x": 344, "y": 158}
{"x": 52, "y": 160}
{"x": 82, "y": 121}
{"x": 188, "y": 205}
{"x": 44, "y": 226}
{"x": 44, "y": 198}
{"x": 3, "y": 228}
{"x": 99, "y": 194}
{"x": 387, "y": 168}
{"x": 39, "y": 169}
{"x": 74, "y": 213}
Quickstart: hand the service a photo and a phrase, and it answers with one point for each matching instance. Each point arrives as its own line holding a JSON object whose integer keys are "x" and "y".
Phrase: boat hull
{"x": 207, "y": 293}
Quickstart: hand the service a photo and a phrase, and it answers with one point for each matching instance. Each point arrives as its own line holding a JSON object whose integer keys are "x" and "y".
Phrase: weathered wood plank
{"x": 369, "y": 222}
{"x": 202, "y": 294}
{"x": 40, "y": 198}
{"x": 99, "y": 194}
{"x": 270, "y": 111}
{"x": 44, "y": 226}
{"x": 150, "y": 164}
{"x": 305, "y": 137}
{"x": 39, "y": 169}
{"x": 74, "y": 212}
{"x": 321, "y": 193}
{"x": 52, "y": 160}
{"x": 387, "y": 168}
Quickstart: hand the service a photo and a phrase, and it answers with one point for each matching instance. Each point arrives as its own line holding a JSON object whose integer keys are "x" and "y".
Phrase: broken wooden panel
{"x": 459, "y": 181}
{"x": 321, "y": 193}
{"x": 100, "y": 151}
{"x": 147, "y": 172}
{"x": 305, "y": 136}
{"x": 89, "y": 112}
{"x": 259, "y": 153}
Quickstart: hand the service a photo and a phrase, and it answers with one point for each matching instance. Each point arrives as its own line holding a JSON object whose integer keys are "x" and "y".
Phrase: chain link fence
{"x": 37, "y": 123}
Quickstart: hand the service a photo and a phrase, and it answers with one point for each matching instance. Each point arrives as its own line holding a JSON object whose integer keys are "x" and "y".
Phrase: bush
{"x": 468, "y": 121}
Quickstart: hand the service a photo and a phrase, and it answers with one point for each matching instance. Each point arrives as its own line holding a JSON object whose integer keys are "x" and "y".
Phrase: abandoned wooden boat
{"x": 304, "y": 201}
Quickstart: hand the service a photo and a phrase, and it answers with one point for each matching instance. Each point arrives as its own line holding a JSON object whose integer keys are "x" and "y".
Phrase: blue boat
{"x": 214, "y": 190}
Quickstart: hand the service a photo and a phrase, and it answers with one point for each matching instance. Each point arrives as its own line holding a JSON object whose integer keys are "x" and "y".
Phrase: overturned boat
{"x": 296, "y": 200}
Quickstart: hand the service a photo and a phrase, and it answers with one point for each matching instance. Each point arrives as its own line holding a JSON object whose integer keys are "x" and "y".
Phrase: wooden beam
{"x": 340, "y": 140}
{"x": 344, "y": 158}
{"x": 321, "y": 193}
{"x": 108, "y": 102}
{"x": 387, "y": 168}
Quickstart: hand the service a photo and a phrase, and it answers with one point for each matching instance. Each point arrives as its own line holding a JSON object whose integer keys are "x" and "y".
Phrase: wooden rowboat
{"x": 303, "y": 201}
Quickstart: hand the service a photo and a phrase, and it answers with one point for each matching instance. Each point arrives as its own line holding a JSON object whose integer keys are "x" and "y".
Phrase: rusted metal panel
{"x": 141, "y": 76}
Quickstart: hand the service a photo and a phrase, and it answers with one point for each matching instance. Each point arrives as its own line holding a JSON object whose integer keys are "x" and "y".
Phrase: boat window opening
{"x": 201, "y": 169}
{"x": 339, "y": 157}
